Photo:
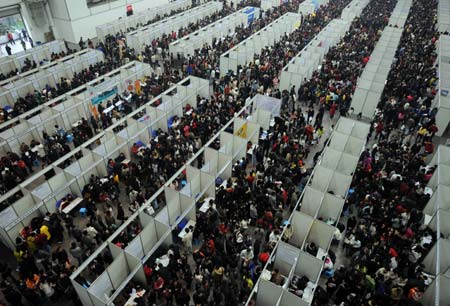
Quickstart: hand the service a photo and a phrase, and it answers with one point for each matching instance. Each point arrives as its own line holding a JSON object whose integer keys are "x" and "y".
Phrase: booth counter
{"x": 310, "y": 6}
{"x": 354, "y": 9}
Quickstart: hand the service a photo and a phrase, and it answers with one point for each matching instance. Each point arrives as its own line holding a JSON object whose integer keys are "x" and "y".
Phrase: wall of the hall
{"x": 37, "y": 21}
{"x": 73, "y": 19}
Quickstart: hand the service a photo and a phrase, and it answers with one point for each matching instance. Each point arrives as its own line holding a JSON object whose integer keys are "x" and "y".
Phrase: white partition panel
{"x": 268, "y": 293}
{"x": 312, "y": 199}
{"x": 289, "y": 299}
{"x": 302, "y": 224}
{"x": 286, "y": 257}
{"x": 321, "y": 234}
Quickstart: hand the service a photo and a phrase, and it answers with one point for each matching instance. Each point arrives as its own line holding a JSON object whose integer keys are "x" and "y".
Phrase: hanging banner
{"x": 103, "y": 91}
{"x": 250, "y": 15}
{"x": 267, "y": 103}
{"x": 242, "y": 132}
{"x": 137, "y": 86}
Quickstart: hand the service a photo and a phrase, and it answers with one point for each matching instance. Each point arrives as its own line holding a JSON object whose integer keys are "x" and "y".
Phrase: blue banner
{"x": 104, "y": 96}
{"x": 250, "y": 14}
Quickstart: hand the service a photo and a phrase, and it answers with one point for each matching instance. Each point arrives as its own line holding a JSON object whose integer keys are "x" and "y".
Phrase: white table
{"x": 72, "y": 205}
{"x": 107, "y": 110}
{"x": 183, "y": 232}
{"x": 204, "y": 208}
{"x": 76, "y": 124}
{"x": 321, "y": 254}
{"x": 252, "y": 149}
{"x": 163, "y": 260}
{"x": 133, "y": 296}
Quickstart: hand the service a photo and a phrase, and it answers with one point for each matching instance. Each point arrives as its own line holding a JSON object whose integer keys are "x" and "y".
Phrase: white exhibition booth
{"x": 353, "y": 9}
{"x": 314, "y": 219}
{"x": 65, "y": 111}
{"x": 144, "y": 36}
{"x": 41, "y": 54}
{"x": 437, "y": 217}
{"x": 50, "y": 75}
{"x": 442, "y": 99}
{"x": 267, "y": 5}
{"x": 179, "y": 210}
{"x": 370, "y": 85}
{"x": 443, "y": 15}
{"x": 400, "y": 13}
{"x": 40, "y": 195}
{"x": 309, "y": 59}
{"x": 221, "y": 28}
{"x": 310, "y": 6}
{"x": 244, "y": 52}
{"x": 139, "y": 18}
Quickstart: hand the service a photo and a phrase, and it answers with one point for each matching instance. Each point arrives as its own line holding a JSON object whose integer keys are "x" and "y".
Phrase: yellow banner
{"x": 242, "y": 132}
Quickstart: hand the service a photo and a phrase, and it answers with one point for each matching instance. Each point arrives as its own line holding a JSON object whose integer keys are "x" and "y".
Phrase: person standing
{"x": 8, "y": 49}
{"x": 10, "y": 37}
{"x": 24, "y": 45}
{"x": 24, "y": 34}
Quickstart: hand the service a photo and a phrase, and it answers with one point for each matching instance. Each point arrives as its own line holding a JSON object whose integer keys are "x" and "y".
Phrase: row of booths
{"x": 443, "y": 21}
{"x": 371, "y": 82}
{"x": 437, "y": 217}
{"x": 221, "y": 28}
{"x": 143, "y": 36}
{"x": 40, "y": 194}
{"x": 244, "y": 52}
{"x": 310, "y": 6}
{"x": 314, "y": 221}
{"x": 48, "y": 75}
{"x": 67, "y": 110}
{"x": 177, "y": 210}
{"x": 66, "y": 115}
{"x": 309, "y": 59}
{"x": 442, "y": 98}
{"x": 41, "y": 54}
{"x": 139, "y": 19}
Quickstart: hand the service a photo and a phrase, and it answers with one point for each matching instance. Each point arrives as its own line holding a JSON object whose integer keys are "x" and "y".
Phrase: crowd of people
{"x": 231, "y": 242}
